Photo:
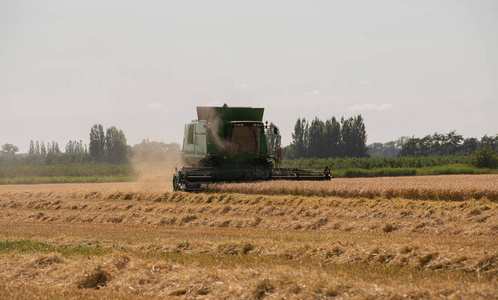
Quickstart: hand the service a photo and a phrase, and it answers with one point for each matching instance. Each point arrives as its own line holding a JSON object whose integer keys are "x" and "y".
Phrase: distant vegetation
{"x": 400, "y": 166}
{"x": 332, "y": 138}
{"x": 450, "y": 144}
{"x": 340, "y": 145}
{"x": 110, "y": 148}
{"x": 347, "y": 138}
{"x": 106, "y": 160}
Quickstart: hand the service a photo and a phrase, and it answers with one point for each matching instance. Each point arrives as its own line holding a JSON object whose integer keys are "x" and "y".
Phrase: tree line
{"x": 108, "y": 147}
{"x": 450, "y": 144}
{"x": 347, "y": 138}
{"x": 389, "y": 149}
{"x": 41, "y": 149}
{"x": 330, "y": 138}
{"x": 72, "y": 147}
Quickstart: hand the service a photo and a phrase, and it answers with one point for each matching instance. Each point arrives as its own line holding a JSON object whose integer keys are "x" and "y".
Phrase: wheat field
{"x": 377, "y": 239}
{"x": 443, "y": 187}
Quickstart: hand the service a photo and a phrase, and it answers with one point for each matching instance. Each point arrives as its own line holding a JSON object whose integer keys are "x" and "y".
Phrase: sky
{"x": 410, "y": 68}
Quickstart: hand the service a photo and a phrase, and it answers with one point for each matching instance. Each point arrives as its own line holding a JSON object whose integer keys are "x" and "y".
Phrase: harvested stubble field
{"x": 129, "y": 240}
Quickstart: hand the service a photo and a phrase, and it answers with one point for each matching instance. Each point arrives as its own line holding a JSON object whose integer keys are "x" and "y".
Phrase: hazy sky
{"x": 409, "y": 67}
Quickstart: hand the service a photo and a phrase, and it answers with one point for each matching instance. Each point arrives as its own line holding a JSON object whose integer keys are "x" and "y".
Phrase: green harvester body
{"x": 229, "y": 144}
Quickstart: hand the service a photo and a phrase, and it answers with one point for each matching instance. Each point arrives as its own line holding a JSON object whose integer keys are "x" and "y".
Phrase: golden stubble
{"x": 155, "y": 243}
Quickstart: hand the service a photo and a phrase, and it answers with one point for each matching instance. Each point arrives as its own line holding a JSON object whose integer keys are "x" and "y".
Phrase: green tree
{"x": 452, "y": 143}
{"x": 354, "y": 137}
{"x": 329, "y": 139}
{"x": 80, "y": 149}
{"x": 273, "y": 138}
{"x": 347, "y": 138}
{"x": 332, "y": 138}
{"x": 428, "y": 145}
{"x": 289, "y": 152}
{"x": 97, "y": 143}
{"x": 70, "y": 147}
{"x": 359, "y": 137}
{"x": 376, "y": 150}
{"x": 10, "y": 149}
{"x": 74, "y": 147}
{"x": 316, "y": 139}
{"x": 491, "y": 142}
{"x": 389, "y": 149}
{"x": 300, "y": 138}
{"x": 115, "y": 145}
{"x": 411, "y": 147}
{"x": 53, "y": 148}
{"x": 31, "y": 150}
{"x": 434, "y": 144}
{"x": 469, "y": 146}
{"x": 43, "y": 149}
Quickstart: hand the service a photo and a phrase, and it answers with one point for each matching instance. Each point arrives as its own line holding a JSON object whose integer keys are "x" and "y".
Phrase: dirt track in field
{"x": 145, "y": 241}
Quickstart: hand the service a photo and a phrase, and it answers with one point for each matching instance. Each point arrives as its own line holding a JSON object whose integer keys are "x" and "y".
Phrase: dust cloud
{"x": 214, "y": 125}
{"x": 154, "y": 163}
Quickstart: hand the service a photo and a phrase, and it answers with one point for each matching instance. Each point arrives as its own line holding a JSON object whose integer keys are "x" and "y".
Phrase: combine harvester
{"x": 230, "y": 144}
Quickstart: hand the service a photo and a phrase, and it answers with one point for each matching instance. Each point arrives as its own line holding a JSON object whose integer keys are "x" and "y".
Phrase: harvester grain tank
{"x": 229, "y": 144}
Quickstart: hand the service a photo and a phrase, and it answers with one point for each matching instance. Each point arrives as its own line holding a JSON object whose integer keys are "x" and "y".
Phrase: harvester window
{"x": 190, "y": 135}
{"x": 245, "y": 139}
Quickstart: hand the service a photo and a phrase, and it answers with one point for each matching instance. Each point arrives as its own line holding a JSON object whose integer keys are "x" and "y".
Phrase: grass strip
{"x": 27, "y": 246}
{"x": 66, "y": 179}
{"x": 395, "y": 172}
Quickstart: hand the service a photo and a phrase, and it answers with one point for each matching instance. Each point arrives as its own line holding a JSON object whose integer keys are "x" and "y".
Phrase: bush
{"x": 484, "y": 158}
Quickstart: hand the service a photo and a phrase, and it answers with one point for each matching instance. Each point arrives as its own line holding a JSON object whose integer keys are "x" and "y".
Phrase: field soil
{"x": 437, "y": 237}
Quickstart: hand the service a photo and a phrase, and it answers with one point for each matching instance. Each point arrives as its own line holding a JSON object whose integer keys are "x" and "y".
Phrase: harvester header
{"x": 227, "y": 144}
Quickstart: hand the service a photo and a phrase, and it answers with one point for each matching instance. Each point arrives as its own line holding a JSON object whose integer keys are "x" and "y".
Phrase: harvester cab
{"x": 227, "y": 144}
{"x": 223, "y": 133}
